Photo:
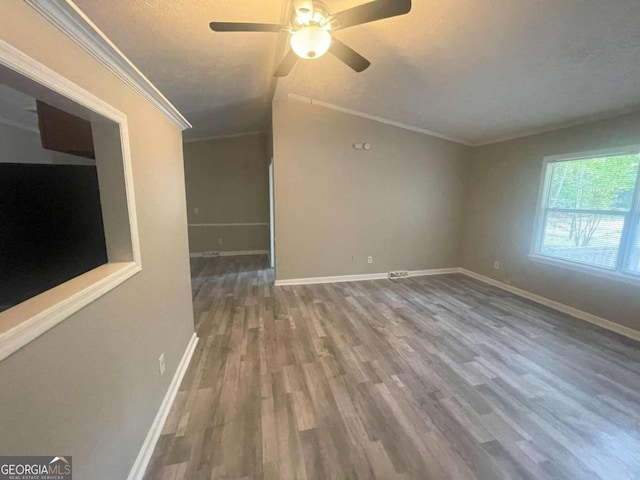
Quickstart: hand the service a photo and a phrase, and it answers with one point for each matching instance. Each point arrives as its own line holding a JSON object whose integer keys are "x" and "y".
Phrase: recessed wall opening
{"x": 67, "y": 219}
{"x": 50, "y": 208}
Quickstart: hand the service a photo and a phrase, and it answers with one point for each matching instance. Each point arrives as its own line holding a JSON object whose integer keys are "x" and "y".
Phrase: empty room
{"x": 300, "y": 239}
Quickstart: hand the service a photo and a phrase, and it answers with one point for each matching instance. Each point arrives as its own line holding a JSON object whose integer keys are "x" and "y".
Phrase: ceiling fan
{"x": 311, "y": 28}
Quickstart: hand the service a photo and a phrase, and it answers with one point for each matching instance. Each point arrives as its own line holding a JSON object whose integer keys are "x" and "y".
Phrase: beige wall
{"x": 503, "y": 181}
{"x": 227, "y": 180}
{"x": 90, "y": 386}
{"x": 251, "y": 238}
{"x": 401, "y": 202}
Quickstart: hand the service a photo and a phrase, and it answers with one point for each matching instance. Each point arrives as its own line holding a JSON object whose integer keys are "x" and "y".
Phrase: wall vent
{"x": 398, "y": 274}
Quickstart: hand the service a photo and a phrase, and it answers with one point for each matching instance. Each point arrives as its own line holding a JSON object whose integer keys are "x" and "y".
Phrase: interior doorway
{"x": 272, "y": 229}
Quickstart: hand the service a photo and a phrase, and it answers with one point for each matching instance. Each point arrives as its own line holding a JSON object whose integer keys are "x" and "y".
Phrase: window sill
{"x": 28, "y": 320}
{"x": 596, "y": 272}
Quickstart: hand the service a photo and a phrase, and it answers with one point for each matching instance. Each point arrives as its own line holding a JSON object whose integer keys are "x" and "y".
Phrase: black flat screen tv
{"x": 50, "y": 227}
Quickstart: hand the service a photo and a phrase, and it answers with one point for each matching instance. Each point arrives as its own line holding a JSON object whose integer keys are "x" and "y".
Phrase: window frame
{"x": 630, "y": 229}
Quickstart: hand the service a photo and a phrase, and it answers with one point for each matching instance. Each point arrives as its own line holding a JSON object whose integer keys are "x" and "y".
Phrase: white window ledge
{"x": 28, "y": 320}
{"x": 594, "y": 271}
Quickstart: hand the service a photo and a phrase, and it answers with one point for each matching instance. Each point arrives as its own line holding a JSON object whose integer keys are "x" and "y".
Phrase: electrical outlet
{"x": 369, "y": 259}
{"x": 496, "y": 265}
{"x": 219, "y": 241}
{"x": 196, "y": 210}
{"x": 161, "y": 364}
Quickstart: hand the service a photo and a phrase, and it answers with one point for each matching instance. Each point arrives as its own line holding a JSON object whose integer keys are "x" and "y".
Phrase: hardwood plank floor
{"x": 422, "y": 378}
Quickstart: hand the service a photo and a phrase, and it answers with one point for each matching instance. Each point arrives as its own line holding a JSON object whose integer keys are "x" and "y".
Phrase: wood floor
{"x": 422, "y": 378}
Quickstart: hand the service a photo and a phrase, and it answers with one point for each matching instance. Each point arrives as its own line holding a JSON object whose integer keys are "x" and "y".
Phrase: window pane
{"x": 594, "y": 183}
{"x": 633, "y": 261}
{"x": 589, "y": 239}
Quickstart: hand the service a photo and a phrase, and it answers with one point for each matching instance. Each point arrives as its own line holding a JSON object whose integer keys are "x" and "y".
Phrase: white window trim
{"x": 28, "y": 320}
{"x": 618, "y": 274}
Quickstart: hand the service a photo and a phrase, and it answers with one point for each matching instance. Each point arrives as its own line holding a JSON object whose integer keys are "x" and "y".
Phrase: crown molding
{"x": 480, "y": 143}
{"x": 375, "y": 118}
{"x": 221, "y": 137}
{"x": 71, "y": 21}
{"x": 562, "y": 125}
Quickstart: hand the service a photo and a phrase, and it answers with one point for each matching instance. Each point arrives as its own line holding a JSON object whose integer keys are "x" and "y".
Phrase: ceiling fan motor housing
{"x": 319, "y": 16}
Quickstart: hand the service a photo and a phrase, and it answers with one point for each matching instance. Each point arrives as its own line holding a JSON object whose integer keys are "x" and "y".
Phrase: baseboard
{"x": 233, "y": 253}
{"x": 142, "y": 461}
{"x": 336, "y": 279}
{"x": 361, "y": 277}
{"x": 434, "y": 271}
{"x": 560, "y": 307}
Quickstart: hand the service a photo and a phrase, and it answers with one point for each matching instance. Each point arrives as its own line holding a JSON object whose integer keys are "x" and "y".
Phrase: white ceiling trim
{"x": 560, "y": 126}
{"x": 220, "y": 137}
{"x": 375, "y": 118}
{"x": 526, "y": 133}
{"x": 70, "y": 20}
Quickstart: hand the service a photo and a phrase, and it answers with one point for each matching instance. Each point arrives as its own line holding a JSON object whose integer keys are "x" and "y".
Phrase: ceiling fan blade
{"x": 286, "y": 64}
{"x": 246, "y": 27}
{"x": 370, "y": 12}
{"x": 349, "y": 56}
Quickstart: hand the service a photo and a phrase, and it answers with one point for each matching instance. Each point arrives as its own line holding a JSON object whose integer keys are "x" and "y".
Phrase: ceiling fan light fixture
{"x": 311, "y": 41}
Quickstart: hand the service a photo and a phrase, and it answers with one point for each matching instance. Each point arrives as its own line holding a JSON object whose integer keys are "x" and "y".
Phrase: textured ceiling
{"x": 472, "y": 70}
{"x": 220, "y": 83}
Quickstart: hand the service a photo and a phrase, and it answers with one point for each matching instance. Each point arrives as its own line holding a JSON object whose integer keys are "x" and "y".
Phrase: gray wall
{"x": 503, "y": 181}
{"x": 227, "y": 180}
{"x": 418, "y": 202}
{"x": 18, "y": 145}
{"x": 401, "y": 202}
{"x": 90, "y": 386}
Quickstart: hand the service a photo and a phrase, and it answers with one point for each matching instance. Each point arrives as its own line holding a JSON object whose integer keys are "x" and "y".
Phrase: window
{"x": 589, "y": 212}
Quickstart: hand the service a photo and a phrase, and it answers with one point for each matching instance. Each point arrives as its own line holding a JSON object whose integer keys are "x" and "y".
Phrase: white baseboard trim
{"x": 336, "y": 279}
{"x": 361, "y": 277}
{"x": 233, "y": 253}
{"x": 142, "y": 461}
{"x": 264, "y": 224}
{"x": 434, "y": 271}
{"x": 560, "y": 307}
